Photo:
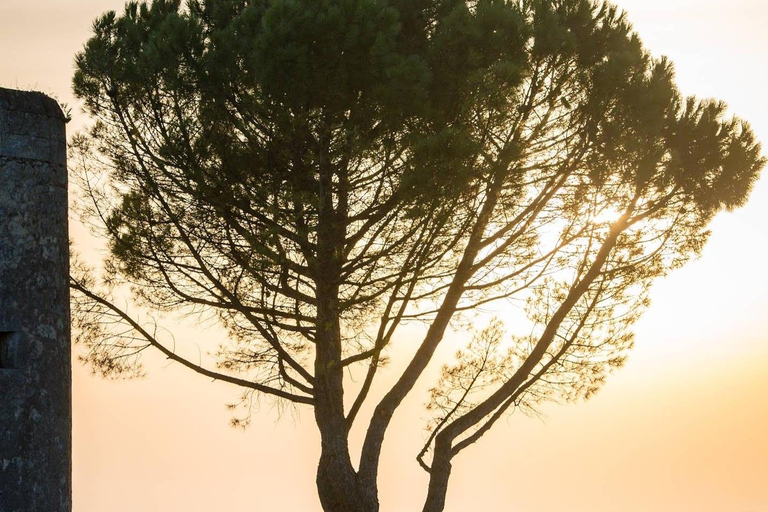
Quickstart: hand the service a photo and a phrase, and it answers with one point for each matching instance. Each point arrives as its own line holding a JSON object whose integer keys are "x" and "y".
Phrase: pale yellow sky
{"x": 681, "y": 428}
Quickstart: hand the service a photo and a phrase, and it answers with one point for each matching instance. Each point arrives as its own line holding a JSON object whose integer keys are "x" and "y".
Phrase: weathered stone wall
{"x": 35, "y": 373}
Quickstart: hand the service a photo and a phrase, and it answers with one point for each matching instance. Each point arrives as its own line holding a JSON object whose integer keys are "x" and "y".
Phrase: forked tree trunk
{"x": 337, "y": 484}
{"x": 438, "y": 480}
{"x": 336, "y": 477}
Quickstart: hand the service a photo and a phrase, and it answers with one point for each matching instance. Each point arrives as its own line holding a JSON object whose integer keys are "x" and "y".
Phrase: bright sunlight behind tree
{"x": 316, "y": 174}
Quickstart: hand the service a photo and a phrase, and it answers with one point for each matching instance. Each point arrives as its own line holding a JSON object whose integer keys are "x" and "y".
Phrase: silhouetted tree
{"x": 317, "y": 173}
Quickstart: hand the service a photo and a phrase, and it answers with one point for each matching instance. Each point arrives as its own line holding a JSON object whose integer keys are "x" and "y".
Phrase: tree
{"x": 316, "y": 174}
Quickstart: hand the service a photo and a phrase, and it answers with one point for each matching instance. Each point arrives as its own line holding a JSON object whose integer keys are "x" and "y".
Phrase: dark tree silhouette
{"x": 315, "y": 174}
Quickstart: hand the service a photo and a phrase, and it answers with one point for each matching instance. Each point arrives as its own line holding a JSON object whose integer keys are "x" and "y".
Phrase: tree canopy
{"x": 316, "y": 174}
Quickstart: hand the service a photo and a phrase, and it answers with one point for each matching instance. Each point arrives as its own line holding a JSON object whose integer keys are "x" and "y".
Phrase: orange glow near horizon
{"x": 681, "y": 427}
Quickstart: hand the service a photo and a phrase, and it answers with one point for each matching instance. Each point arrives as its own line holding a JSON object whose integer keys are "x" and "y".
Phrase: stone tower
{"x": 35, "y": 371}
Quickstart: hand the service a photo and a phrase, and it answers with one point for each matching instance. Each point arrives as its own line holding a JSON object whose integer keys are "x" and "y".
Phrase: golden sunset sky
{"x": 683, "y": 427}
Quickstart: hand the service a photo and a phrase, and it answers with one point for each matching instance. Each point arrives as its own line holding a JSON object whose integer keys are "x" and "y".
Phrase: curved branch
{"x": 75, "y": 285}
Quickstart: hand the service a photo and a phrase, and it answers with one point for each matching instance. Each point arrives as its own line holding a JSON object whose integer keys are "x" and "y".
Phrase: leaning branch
{"x": 75, "y": 285}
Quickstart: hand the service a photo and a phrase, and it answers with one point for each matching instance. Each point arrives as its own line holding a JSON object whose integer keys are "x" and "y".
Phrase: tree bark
{"x": 337, "y": 480}
{"x": 438, "y": 478}
{"x": 336, "y": 477}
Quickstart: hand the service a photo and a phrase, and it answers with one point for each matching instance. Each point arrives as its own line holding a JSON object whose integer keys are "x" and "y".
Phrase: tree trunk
{"x": 438, "y": 479}
{"x": 377, "y": 428}
{"x": 337, "y": 481}
{"x": 337, "y": 484}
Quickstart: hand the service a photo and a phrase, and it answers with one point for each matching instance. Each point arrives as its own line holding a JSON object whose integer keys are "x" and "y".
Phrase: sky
{"x": 682, "y": 427}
